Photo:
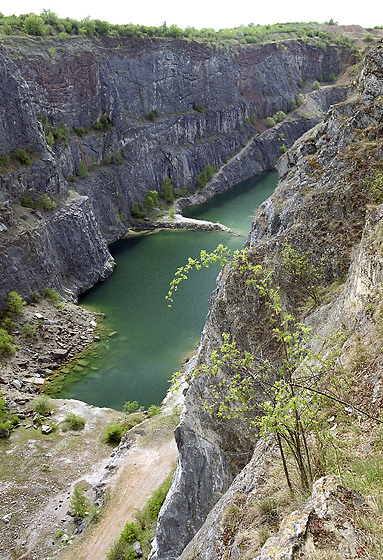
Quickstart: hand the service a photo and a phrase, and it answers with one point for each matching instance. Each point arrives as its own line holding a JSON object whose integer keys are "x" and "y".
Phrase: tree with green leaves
{"x": 167, "y": 190}
{"x": 279, "y": 395}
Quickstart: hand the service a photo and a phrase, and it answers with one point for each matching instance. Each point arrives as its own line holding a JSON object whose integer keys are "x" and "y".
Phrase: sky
{"x": 206, "y": 13}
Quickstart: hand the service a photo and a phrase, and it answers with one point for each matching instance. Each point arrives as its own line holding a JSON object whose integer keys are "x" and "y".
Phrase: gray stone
{"x": 4, "y": 433}
{"x": 137, "y": 548}
{"x": 17, "y": 384}
{"x": 45, "y": 429}
{"x": 7, "y": 517}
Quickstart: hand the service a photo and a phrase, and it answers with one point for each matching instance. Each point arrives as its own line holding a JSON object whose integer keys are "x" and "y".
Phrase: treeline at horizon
{"x": 48, "y": 24}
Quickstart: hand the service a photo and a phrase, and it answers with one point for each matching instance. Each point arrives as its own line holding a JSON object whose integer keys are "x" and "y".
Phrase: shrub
{"x": 52, "y": 295}
{"x": 4, "y": 160}
{"x": 131, "y": 407}
{"x": 22, "y": 157}
{"x": 131, "y": 532}
{"x": 42, "y": 405}
{"x": 316, "y": 85}
{"x": 153, "y": 410}
{"x": 34, "y": 25}
{"x": 198, "y": 108}
{"x": 103, "y": 123}
{"x": 74, "y": 421}
{"x": 152, "y": 116}
{"x": 107, "y": 159}
{"x": 46, "y": 203}
{"x": 50, "y": 139}
{"x": 136, "y": 211}
{"x": 14, "y": 304}
{"x": 28, "y": 331}
{"x": 150, "y": 200}
{"x": 201, "y": 179}
{"x": 279, "y": 116}
{"x": 113, "y": 433}
{"x": 167, "y": 190}
{"x": 82, "y": 169}
{"x": 270, "y": 122}
{"x": 368, "y": 38}
{"x": 6, "y": 343}
{"x": 157, "y": 498}
{"x": 80, "y": 130}
{"x": 116, "y": 158}
{"x": 172, "y": 212}
{"x": 78, "y": 503}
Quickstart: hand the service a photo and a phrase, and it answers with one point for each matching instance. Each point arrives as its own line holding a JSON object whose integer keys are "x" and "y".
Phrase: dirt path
{"x": 140, "y": 472}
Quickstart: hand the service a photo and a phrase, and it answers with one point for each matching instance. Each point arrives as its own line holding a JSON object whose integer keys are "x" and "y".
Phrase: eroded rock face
{"x": 173, "y": 108}
{"x": 321, "y": 206}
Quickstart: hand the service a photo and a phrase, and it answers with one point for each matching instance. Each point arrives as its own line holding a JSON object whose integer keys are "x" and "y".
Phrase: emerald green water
{"x": 145, "y": 340}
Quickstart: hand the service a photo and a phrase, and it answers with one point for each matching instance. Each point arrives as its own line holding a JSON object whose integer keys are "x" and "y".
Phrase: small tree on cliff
{"x": 294, "y": 384}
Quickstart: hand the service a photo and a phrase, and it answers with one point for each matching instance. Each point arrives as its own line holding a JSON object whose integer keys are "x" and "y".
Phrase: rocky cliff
{"x": 163, "y": 108}
{"x": 328, "y": 206}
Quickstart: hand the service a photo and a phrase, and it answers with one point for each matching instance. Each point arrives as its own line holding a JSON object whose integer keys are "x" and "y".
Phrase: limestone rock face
{"x": 323, "y": 206}
{"x": 169, "y": 108}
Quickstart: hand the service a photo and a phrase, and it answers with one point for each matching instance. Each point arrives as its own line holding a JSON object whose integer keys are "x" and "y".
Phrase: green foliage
{"x": 153, "y": 410}
{"x": 52, "y": 295}
{"x": 80, "y": 130}
{"x": 299, "y": 270}
{"x": 14, "y": 304}
{"x": 368, "y": 38}
{"x": 294, "y": 384}
{"x": 6, "y": 343}
{"x": 198, "y": 108}
{"x": 42, "y": 405}
{"x": 21, "y": 156}
{"x": 121, "y": 551}
{"x": 78, "y": 503}
{"x": 152, "y": 116}
{"x": 167, "y": 190}
{"x": 5, "y": 160}
{"x": 279, "y": 116}
{"x": 156, "y": 500}
{"x": 131, "y": 407}
{"x": 46, "y": 203}
{"x": 270, "y": 122}
{"x": 82, "y": 170}
{"x": 150, "y": 200}
{"x": 132, "y": 532}
{"x": 172, "y": 212}
{"x": 316, "y": 85}
{"x": 103, "y": 123}
{"x": 116, "y": 158}
{"x": 205, "y": 176}
{"x": 52, "y": 52}
{"x": 73, "y": 421}
{"x": 48, "y": 23}
{"x": 374, "y": 181}
{"x": 136, "y": 211}
{"x": 28, "y": 331}
{"x": 50, "y": 139}
{"x": 34, "y": 25}
{"x": 113, "y": 433}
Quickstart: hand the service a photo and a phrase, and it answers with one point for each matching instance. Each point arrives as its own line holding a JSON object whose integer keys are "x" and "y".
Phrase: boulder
{"x": 45, "y": 429}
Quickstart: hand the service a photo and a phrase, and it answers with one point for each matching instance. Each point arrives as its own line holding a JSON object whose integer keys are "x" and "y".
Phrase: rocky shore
{"x": 57, "y": 333}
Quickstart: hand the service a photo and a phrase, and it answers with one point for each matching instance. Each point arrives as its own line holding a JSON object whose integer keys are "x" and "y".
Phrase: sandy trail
{"x": 139, "y": 473}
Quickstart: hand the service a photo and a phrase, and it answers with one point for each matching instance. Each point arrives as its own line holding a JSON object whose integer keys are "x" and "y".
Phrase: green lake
{"x": 143, "y": 341}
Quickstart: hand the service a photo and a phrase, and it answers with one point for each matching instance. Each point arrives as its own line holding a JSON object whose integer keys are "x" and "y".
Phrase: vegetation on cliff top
{"x": 49, "y": 24}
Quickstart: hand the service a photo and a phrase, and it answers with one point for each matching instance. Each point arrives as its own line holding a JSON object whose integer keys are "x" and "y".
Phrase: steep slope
{"x": 105, "y": 120}
{"x": 327, "y": 206}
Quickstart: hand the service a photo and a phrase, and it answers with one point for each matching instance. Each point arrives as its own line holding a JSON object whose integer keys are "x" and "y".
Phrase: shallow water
{"x": 144, "y": 341}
